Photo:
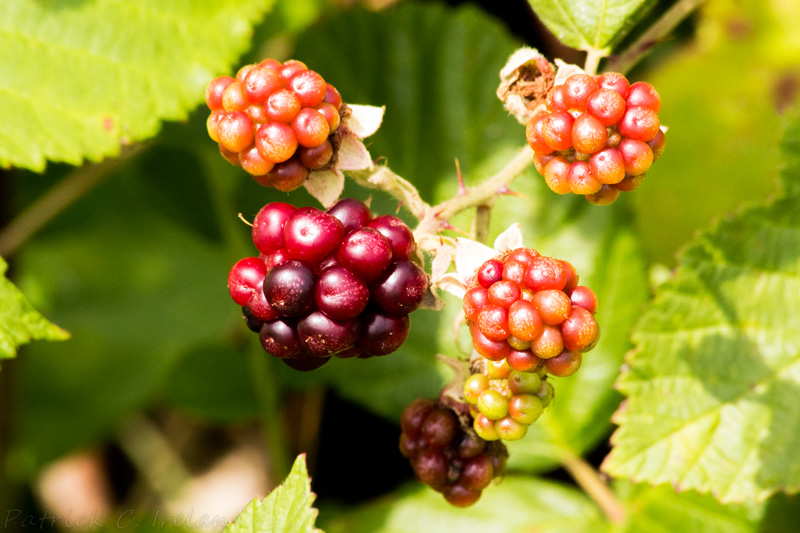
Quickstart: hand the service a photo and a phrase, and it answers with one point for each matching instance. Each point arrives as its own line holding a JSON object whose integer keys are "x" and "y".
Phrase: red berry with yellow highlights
{"x": 597, "y": 136}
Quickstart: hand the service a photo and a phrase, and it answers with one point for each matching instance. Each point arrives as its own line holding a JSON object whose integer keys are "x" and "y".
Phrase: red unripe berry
{"x": 309, "y": 87}
{"x": 545, "y": 273}
{"x": 579, "y": 330}
{"x": 268, "y": 226}
{"x": 256, "y": 114}
{"x": 235, "y": 131}
{"x": 607, "y": 166}
{"x": 533, "y": 133}
{"x": 555, "y": 175}
{"x": 282, "y": 106}
{"x": 605, "y": 196}
{"x": 253, "y": 162}
{"x": 242, "y": 73}
{"x": 490, "y": 272}
{"x": 503, "y": 293}
{"x": 630, "y": 183}
{"x": 581, "y": 180}
{"x": 493, "y": 322}
{"x": 310, "y": 127}
{"x": 352, "y": 213}
{"x": 514, "y": 271}
{"x": 214, "y": 91}
{"x": 475, "y": 299}
{"x": 557, "y": 130}
{"x": 439, "y": 428}
{"x": 492, "y": 350}
{"x": 615, "y": 81}
{"x": 606, "y": 105}
{"x": 540, "y": 161}
{"x": 259, "y": 83}
{"x": 523, "y": 360}
{"x": 564, "y": 364}
{"x": 524, "y": 321}
{"x": 230, "y": 157}
{"x": 399, "y": 235}
{"x": 643, "y": 94}
{"x": 589, "y": 135}
{"x": 272, "y": 64}
{"x": 316, "y": 157}
{"x": 639, "y": 123}
{"x": 246, "y": 276}
{"x": 636, "y": 155}
{"x": 577, "y": 90}
{"x": 555, "y": 99}
{"x": 657, "y": 144}
{"x": 212, "y": 124}
{"x": 331, "y": 114}
{"x": 572, "y": 276}
{"x": 548, "y": 344}
{"x": 365, "y": 252}
{"x": 460, "y": 496}
{"x": 287, "y": 176}
{"x": 430, "y": 467}
{"x": 233, "y": 98}
{"x": 276, "y": 141}
{"x": 523, "y": 255}
{"x": 311, "y": 234}
{"x": 290, "y": 68}
{"x": 584, "y": 297}
{"x": 553, "y": 306}
{"x": 332, "y": 96}
{"x": 259, "y": 306}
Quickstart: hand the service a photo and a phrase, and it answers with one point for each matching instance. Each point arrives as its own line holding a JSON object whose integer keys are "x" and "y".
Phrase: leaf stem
{"x": 590, "y": 481}
{"x": 58, "y": 198}
{"x": 629, "y": 57}
{"x": 593, "y": 57}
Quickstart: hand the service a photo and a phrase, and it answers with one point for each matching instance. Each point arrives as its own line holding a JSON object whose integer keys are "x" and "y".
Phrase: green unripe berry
{"x": 510, "y": 429}
{"x": 525, "y": 408}
{"x": 493, "y": 404}
{"x": 484, "y": 427}
{"x": 497, "y": 369}
{"x": 524, "y": 382}
{"x": 545, "y": 393}
{"x": 474, "y": 386}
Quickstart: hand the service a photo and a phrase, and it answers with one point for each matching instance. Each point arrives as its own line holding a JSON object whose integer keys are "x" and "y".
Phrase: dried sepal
{"x": 525, "y": 80}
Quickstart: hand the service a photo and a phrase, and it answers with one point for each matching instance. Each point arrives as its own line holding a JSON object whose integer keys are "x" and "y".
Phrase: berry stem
{"x": 435, "y": 218}
{"x": 271, "y": 424}
{"x": 381, "y": 177}
{"x": 629, "y": 57}
{"x": 480, "y": 225}
{"x": 58, "y": 198}
{"x": 590, "y": 481}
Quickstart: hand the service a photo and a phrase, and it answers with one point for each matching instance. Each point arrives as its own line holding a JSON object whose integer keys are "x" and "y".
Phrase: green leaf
{"x": 662, "y": 510}
{"x": 20, "y": 323}
{"x": 287, "y": 509}
{"x": 516, "y": 505}
{"x": 713, "y": 383}
{"x": 81, "y": 78}
{"x": 590, "y": 24}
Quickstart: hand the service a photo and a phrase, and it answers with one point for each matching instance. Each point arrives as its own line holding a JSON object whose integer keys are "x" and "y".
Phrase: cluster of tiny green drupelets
{"x": 597, "y": 136}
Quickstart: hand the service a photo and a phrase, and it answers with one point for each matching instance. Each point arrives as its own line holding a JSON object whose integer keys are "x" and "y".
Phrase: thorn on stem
{"x": 505, "y": 190}
{"x": 462, "y": 189}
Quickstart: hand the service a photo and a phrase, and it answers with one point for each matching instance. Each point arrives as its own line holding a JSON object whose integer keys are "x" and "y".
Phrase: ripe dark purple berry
{"x": 340, "y": 294}
{"x": 289, "y": 288}
{"x": 323, "y": 336}
{"x": 401, "y": 288}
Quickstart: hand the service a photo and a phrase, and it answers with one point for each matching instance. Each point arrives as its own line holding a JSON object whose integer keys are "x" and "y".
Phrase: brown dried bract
{"x": 525, "y": 81}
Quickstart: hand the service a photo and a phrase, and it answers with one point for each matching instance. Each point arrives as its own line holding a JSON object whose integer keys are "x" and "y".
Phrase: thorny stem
{"x": 61, "y": 196}
{"x": 626, "y": 60}
{"x": 590, "y": 481}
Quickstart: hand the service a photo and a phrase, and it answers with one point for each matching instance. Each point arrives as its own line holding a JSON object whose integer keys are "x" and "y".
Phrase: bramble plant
{"x": 422, "y": 301}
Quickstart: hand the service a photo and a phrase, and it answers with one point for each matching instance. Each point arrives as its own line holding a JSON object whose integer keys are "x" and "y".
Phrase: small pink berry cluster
{"x": 276, "y": 120}
{"x": 528, "y": 318}
{"x": 328, "y": 283}
{"x": 598, "y": 136}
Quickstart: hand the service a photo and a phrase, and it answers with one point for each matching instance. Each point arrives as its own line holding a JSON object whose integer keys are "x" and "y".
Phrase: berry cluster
{"x": 598, "y": 136}
{"x": 528, "y": 317}
{"x": 336, "y": 282}
{"x": 443, "y": 455}
{"x": 276, "y": 120}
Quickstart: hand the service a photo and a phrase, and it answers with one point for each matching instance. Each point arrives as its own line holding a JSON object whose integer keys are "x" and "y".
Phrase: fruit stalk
{"x": 591, "y": 482}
